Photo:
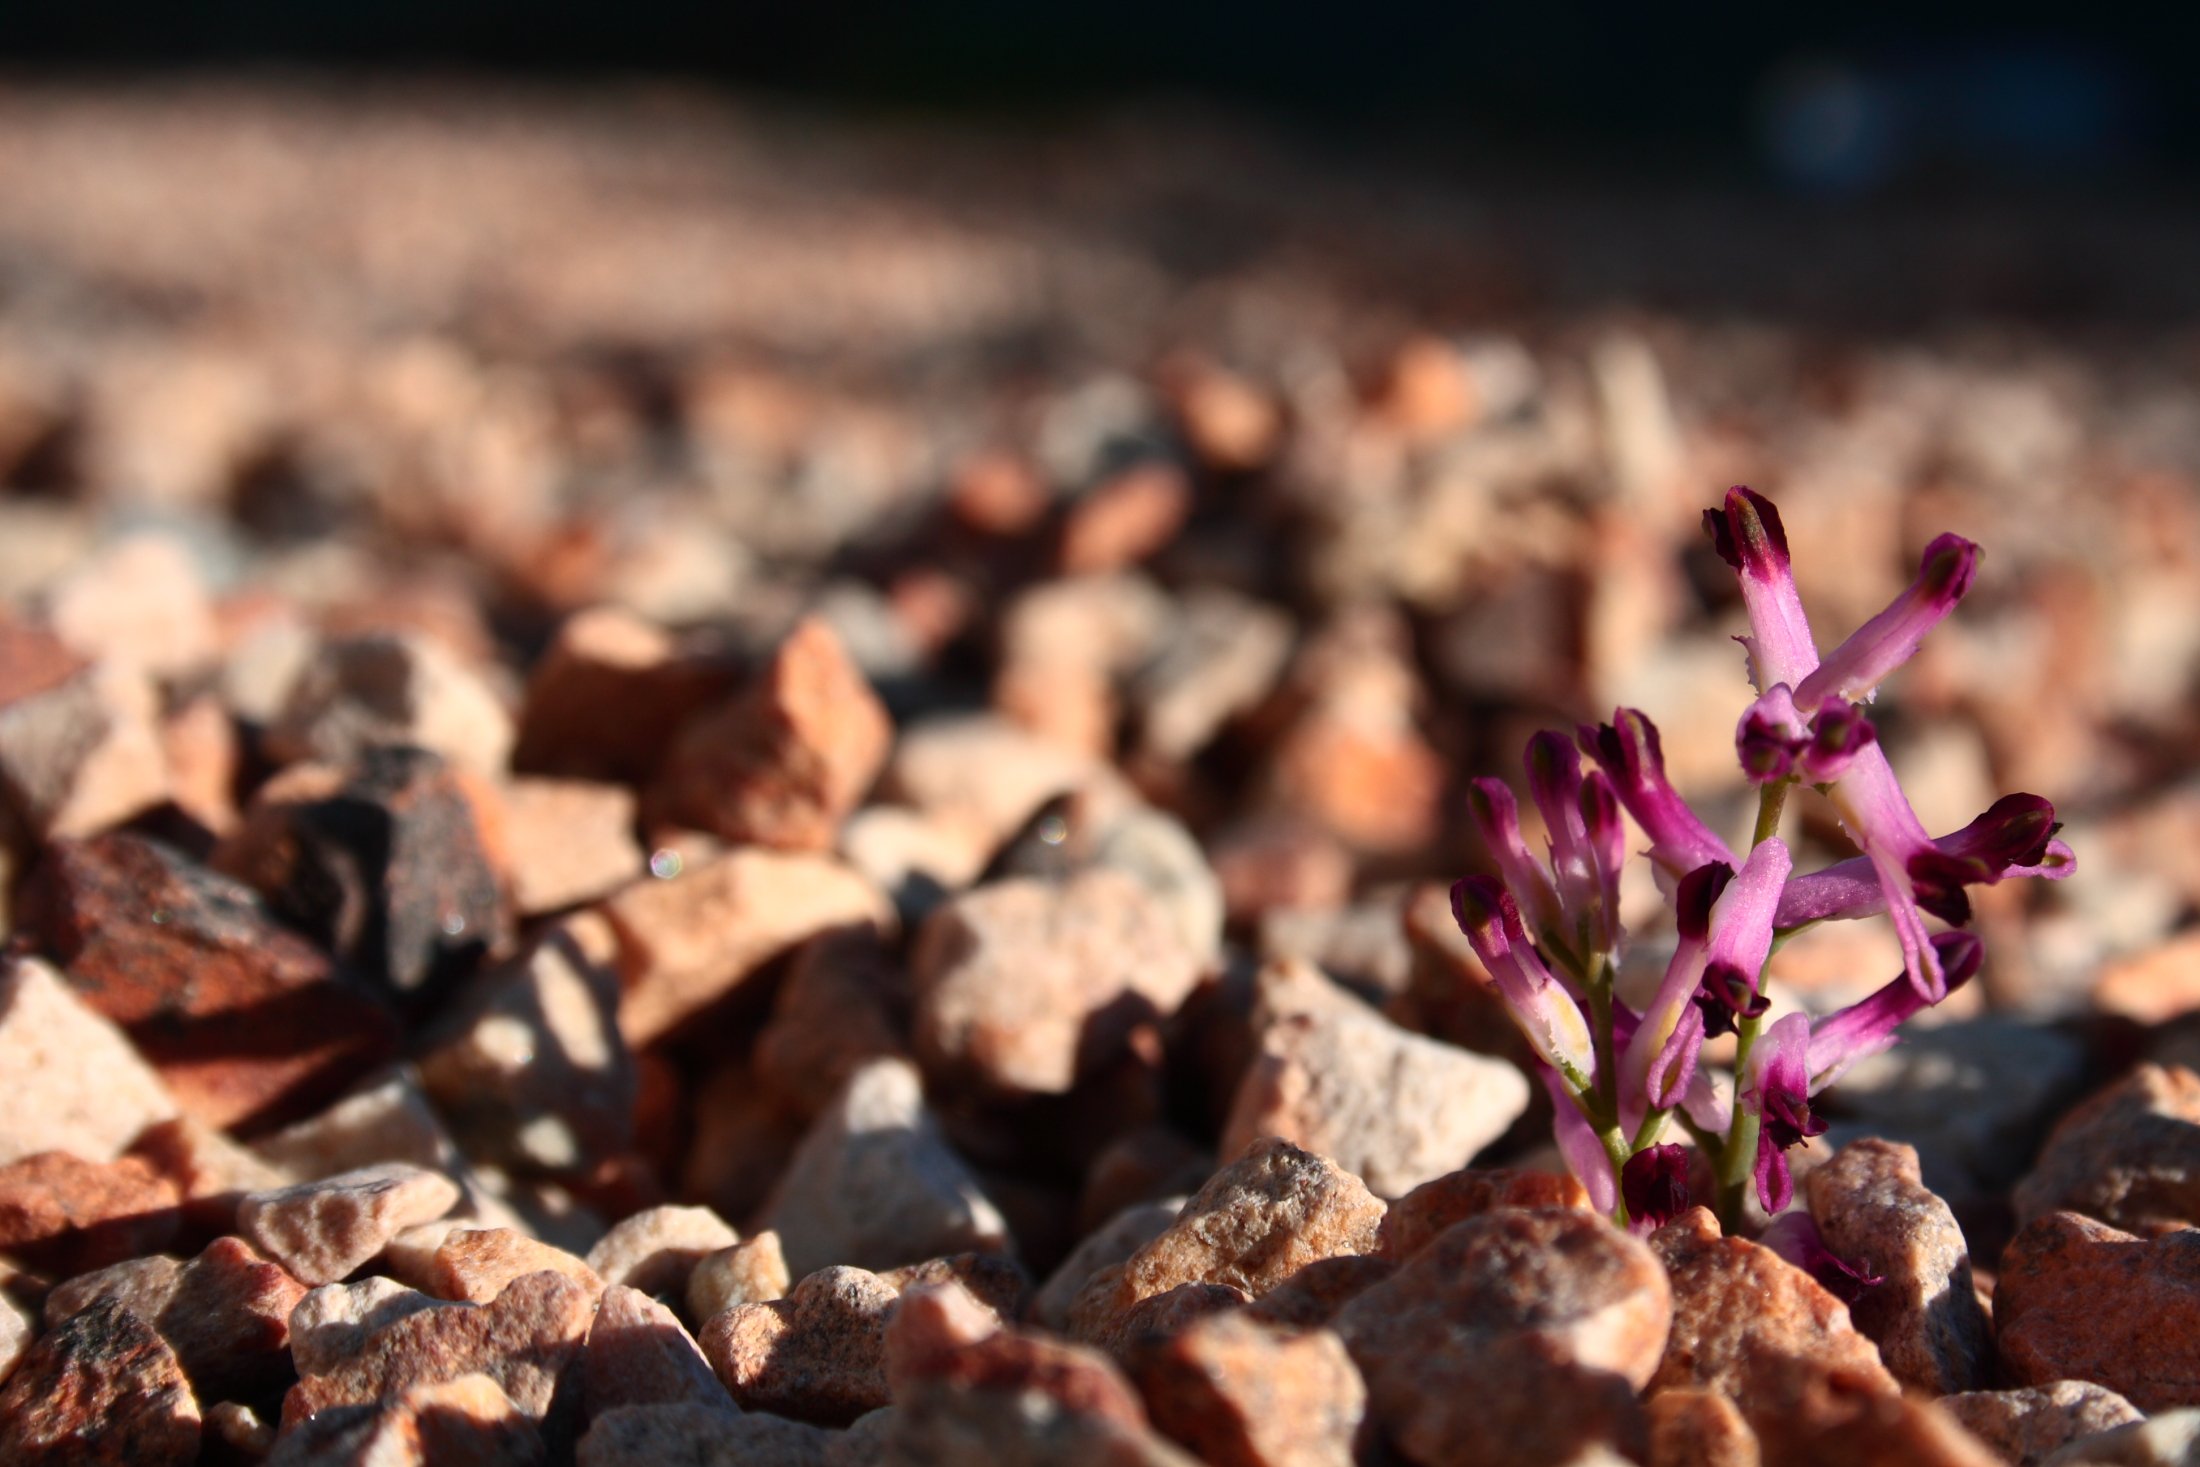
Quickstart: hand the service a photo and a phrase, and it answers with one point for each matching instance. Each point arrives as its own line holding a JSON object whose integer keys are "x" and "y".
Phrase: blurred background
{"x": 1293, "y": 409}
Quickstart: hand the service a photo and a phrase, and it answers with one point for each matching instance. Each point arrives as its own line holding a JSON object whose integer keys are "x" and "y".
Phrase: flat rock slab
{"x": 2029, "y": 1424}
{"x": 2080, "y": 1300}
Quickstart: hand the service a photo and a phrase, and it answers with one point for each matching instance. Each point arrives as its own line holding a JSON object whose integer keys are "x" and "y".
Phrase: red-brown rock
{"x": 2079, "y": 1300}
{"x": 101, "y": 1390}
{"x": 68, "y": 1216}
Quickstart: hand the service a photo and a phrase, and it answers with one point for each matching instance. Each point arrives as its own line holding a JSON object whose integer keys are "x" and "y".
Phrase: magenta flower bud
{"x": 1839, "y": 731}
{"x": 1586, "y": 878}
{"x": 1747, "y": 533}
{"x": 1779, "y": 1091}
{"x": 1544, "y": 1013}
{"x": 1654, "y": 1184}
{"x": 1795, "y": 1237}
{"x": 1497, "y": 817}
{"x": 2015, "y": 831}
{"x": 1628, "y": 752}
{"x": 1853, "y": 669}
{"x": 1770, "y": 736}
{"x": 1577, "y": 1142}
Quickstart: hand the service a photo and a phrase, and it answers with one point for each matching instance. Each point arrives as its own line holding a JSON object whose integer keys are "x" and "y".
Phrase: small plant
{"x": 1550, "y": 936}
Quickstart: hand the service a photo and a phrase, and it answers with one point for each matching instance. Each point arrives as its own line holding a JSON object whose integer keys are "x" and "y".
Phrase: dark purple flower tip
{"x": 1554, "y": 767}
{"x": 1600, "y": 817}
{"x": 1726, "y": 996}
{"x": 1962, "y": 954}
{"x": 1938, "y": 879}
{"x": 1838, "y": 733}
{"x": 1694, "y": 898}
{"x": 1795, "y": 1237}
{"x": 1787, "y": 1119}
{"x": 1949, "y": 565}
{"x": 1654, "y": 1184}
{"x": 1766, "y": 749}
{"x": 1747, "y": 533}
{"x": 2014, "y": 831}
{"x": 1478, "y": 904}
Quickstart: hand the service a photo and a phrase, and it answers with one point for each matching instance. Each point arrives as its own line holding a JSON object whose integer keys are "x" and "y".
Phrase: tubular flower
{"x": 1629, "y": 754}
{"x": 1795, "y": 1237}
{"x": 1654, "y": 1183}
{"x": 1779, "y": 1092}
{"x": 1545, "y": 1013}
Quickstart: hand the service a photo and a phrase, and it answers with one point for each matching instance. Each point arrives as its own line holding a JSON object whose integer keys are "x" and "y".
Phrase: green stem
{"x": 1771, "y": 801}
{"x": 1600, "y": 1038}
{"x": 1739, "y": 1153}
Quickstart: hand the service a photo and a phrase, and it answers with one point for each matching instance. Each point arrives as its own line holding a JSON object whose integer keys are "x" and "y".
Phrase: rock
{"x": 526, "y": 1341}
{"x": 690, "y": 942}
{"x": 212, "y": 1172}
{"x": 17, "y": 1330}
{"x": 817, "y": 1355}
{"x": 331, "y": 1323}
{"x": 1113, "y": 1243}
{"x": 1924, "y": 1315}
{"x": 1025, "y": 986}
{"x": 75, "y": 1083}
{"x": 138, "y": 602}
{"x": 1240, "y": 1393}
{"x": 386, "y": 1119}
{"x": 752, "y": 1271}
{"x": 1257, "y": 1222}
{"x": 68, "y": 1216}
{"x": 983, "y": 772}
{"x": 786, "y": 761}
{"x": 2079, "y": 1300}
{"x": 2129, "y": 1155}
{"x": 1416, "y": 1219}
{"x": 1335, "y": 1077}
{"x": 2029, "y": 1424}
{"x": 992, "y": 1279}
{"x": 966, "y": 1390}
{"x": 1219, "y": 656}
{"x": 1277, "y": 860}
{"x": 83, "y": 755}
{"x": 322, "y": 1230}
{"x": 639, "y": 1355}
{"x": 1739, "y": 1310}
{"x": 528, "y": 1063}
{"x": 740, "y": 1139}
{"x": 1124, "y": 518}
{"x": 844, "y": 1001}
{"x": 1099, "y": 828}
{"x": 1314, "y": 1294}
{"x": 657, "y": 1249}
{"x": 1166, "y": 1315}
{"x": 225, "y": 1314}
{"x": 234, "y": 1433}
{"x": 917, "y": 857}
{"x": 199, "y": 741}
{"x": 476, "y": 1264}
{"x": 1142, "y": 1164}
{"x": 1818, "y": 1414}
{"x": 386, "y": 863}
{"x": 2171, "y": 1439}
{"x": 102, "y": 1388}
{"x": 874, "y": 1184}
{"x": 703, "y": 1436}
{"x": 467, "y": 1418}
{"x": 2154, "y": 986}
{"x": 571, "y": 841}
{"x": 382, "y": 691}
{"x": 607, "y": 696}
{"x": 247, "y": 1022}
{"x": 1699, "y": 1428}
{"x": 142, "y": 1285}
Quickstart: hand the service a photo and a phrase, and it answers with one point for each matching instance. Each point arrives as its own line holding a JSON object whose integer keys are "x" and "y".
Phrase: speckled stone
{"x": 323, "y": 1230}
{"x": 100, "y": 1390}
{"x": 817, "y": 1355}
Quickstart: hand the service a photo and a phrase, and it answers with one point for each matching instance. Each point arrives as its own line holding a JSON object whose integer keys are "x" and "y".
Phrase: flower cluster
{"x": 1549, "y": 932}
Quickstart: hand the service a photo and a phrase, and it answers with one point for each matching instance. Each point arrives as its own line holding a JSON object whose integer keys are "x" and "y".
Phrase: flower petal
{"x": 1875, "y": 649}
{"x": 1868, "y": 1026}
{"x": 1544, "y": 1013}
{"x": 1628, "y": 751}
{"x": 1578, "y": 1144}
{"x": 1795, "y": 1237}
{"x": 1497, "y": 817}
{"x": 1748, "y": 535}
{"x": 1655, "y": 1185}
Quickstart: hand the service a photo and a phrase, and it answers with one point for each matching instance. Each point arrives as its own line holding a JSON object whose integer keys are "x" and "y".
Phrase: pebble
{"x": 692, "y": 941}
{"x": 139, "y": 602}
{"x": 1027, "y": 986}
{"x": 1112, "y": 1243}
{"x": 606, "y": 697}
{"x": 384, "y": 690}
{"x": 1240, "y": 1393}
{"x": 1335, "y": 1077}
{"x": 75, "y": 1083}
{"x": 528, "y": 1063}
{"x": 526, "y": 1341}
{"x": 1691, "y": 1427}
{"x": 1817, "y": 1413}
{"x": 1100, "y": 827}
{"x": 212, "y": 1172}
{"x": 1874, "y": 1212}
{"x": 983, "y": 772}
{"x": 844, "y": 1001}
{"x": 17, "y": 1329}
{"x": 82, "y": 756}
{"x": 571, "y": 841}
{"x": 386, "y": 861}
{"x": 2077, "y": 1299}
{"x": 1256, "y": 1223}
{"x": 476, "y": 1264}
{"x": 323, "y": 1230}
{"x": 2128, "y": 1155}
{"x": 639, "y": 1354}
{"x": 1416, "y": 1219}
{"x": 1314, "y": 1294}
{"x": 99, "y": 1390}
{"x": 1219, "y": 655}
{"x": 143, "y": 1286}
{"x": 226, "y": 1313}
{"x": 816, "y": 1355}
{"x": 752, "y": 1271}
{"x": 657, "y": 1249}
{"x": 330, "y": 1323}
{"x": 466, "y": 1418}
{"x": 993, "y": 1279}
{"x": 1740, "y": 1310}
{"x": 917, "y": 857}
{"x": 785, "y": 761}
{"x": 874, "y": 1184}
{"x": 67, "y": 1216}
{"x": 705, "y": 1436}
{"x": 2028, "y": 1424}
{"x": 245, "y": 1020}
{"x": 2171, "y": 1439}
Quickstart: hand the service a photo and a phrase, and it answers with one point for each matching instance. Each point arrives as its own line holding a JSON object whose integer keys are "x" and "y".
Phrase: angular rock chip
{"x": 101, "y": 1390}
{"x": 1256, "y": 1223}
{"x": 1817, "y": 1414}
{"x": 67, "y": 1215}
{"x": 2129, "y": 1155}
{"x": 571, "y": 841}
{"x": 874, "y": 1184}
{"x": 330, "y": 1323}
{"x": 1113, "y": 1243}
{"x": 688, "y": 942}
{"x": 657, "y": 1248}
{"x": 2079, "y": 1300}
{"x": 362, "y": 694}
{"x": 817, "y": 1355}
{"x": 1240, "y": 1393}
{"x": 785, "y": 761}
{"x": 1690, "y": 1427}
{"x": 226, "y": 1313}
{"x": 1873, "y": 1210}
{"x": 844, "y": 1001}
{"x": 75, "y": 1084}
{"x": 1314, "y": 1294}
{"x": 247, "y": 1022}
{"x": 83, "y": 755}
{"x": 1395, "y": 1108}
{"x": 211, "y": 1171}
{"x": 1026, "y": 986}
{"x": 2029, "y": 1424}
{"x": 2171, "y": 1439}
{"x": 752, "y": 1271}
{"x": 466, "y": 1419}
{"x": 476, "y": 1264}
{"x": 1415, "y": 1220}
{"x": 528, "y": 1062}
{"x": 607, "y": 696}
{"x": 638, "y": 1354}
{"x": 323, "y": 1230}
